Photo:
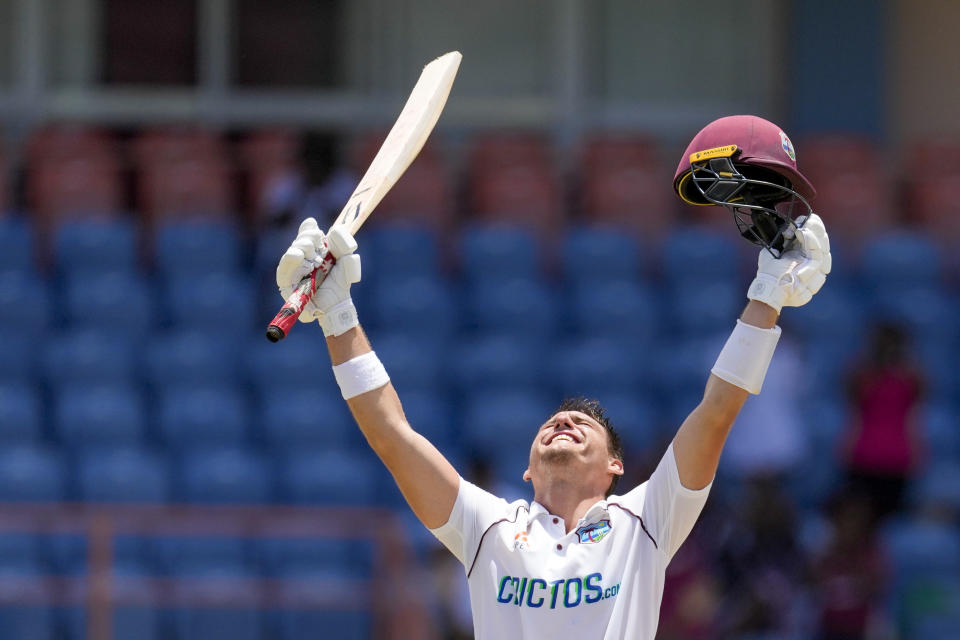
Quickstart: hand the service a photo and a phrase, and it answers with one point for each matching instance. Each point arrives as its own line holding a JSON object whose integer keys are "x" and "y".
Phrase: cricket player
{"x": 580, "y": 560}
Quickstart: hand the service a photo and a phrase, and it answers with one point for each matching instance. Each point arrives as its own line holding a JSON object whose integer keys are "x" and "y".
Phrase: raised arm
{"x": 790, "y": 280}
{"x": 427, "y": 480}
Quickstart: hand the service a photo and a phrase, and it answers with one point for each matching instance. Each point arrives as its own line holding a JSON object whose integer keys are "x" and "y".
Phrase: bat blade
{"x": 401, "y": 146}
{"x": 403, "y": 143}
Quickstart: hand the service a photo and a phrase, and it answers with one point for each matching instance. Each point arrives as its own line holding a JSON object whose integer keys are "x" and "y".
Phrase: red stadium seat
{"x": 932, "y": 202}
{"x": 512, "y": 179}
{"x": 189, "y": 188}
{"x": 173, "y": 144}
{"x": 498, "y": 150}
{"x": 855, "y": 202}
{"x": 923, "y": 158}
{"x": 825, "y": 154}
{"x": 72, "y": 172}
{"x": 77, "y": 187}
{"x": 624, "y": 183}
{"x": 267, "y": 156}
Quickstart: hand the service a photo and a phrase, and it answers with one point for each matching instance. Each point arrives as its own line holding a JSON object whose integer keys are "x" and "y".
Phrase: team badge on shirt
{"x": 520, "y": 542}
{"x": 593, "y": 533}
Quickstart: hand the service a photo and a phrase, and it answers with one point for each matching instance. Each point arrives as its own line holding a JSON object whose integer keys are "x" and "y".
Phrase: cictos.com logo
{"x": 565, "y": 592}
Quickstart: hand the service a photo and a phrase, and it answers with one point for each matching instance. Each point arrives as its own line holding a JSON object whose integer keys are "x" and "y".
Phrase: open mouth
{"x": 566, "y": 436}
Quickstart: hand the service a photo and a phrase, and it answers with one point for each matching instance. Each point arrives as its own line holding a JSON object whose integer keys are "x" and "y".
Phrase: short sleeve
{"x": 668, "y": 509}
{"x": 473, "y": 513}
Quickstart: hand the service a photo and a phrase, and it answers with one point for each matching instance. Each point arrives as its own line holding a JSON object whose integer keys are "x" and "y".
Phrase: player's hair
{"x": 595, "y": 410}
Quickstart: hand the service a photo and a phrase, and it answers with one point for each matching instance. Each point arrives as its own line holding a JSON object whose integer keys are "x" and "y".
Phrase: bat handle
{"x": 281, "y": 324}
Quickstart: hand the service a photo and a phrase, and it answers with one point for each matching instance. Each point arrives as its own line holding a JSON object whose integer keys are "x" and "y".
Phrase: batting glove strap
{"x": 745, "y": 358}
{"x": 361, "y": 374}
{"x": 767, "y": 289}
{"x": 339, "y": 318}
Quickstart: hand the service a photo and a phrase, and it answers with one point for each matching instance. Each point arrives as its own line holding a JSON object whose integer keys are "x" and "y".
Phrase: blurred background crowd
{"x": 165, "y": 472}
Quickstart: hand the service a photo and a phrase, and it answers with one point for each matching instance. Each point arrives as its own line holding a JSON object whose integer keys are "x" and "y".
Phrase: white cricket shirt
{"x": 529, "y": 578}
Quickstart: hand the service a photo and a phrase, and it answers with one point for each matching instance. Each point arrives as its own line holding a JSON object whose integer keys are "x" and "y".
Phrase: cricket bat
{"x": 401, "y": 146}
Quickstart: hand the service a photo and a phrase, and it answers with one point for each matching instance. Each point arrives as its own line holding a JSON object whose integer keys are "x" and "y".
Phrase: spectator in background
{"x": 769, "y": 438}
{"x": 765, "y": 571}
{"x": 850, "y": 572}
{"x": 883, "y": 447}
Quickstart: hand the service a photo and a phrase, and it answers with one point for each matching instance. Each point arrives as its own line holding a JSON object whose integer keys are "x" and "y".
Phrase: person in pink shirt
{"x": 883, "y": 446}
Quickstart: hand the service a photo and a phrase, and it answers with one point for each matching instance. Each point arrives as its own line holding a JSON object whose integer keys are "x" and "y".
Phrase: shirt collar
{"x": 597, "y": 512}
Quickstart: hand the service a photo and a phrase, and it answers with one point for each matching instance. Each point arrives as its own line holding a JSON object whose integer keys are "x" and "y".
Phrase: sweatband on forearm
{"x": 745, "y": 358}
{"x": 359, "y": 375}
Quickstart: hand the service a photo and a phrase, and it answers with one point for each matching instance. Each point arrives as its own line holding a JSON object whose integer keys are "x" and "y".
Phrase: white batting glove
{"x": 792, "y": 279}
{"x": 331, "y": 304}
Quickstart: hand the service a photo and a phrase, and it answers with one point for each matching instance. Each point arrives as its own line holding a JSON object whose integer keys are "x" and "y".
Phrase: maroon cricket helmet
{"x": 747, "y": 165}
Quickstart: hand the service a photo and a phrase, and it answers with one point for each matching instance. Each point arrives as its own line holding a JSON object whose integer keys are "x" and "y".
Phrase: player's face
{"x": 571, "y": 440}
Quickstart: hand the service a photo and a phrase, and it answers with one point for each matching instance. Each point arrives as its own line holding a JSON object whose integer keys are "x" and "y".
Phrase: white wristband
{"x": 746, "y": 356}
{"x": 359, "y": 375}
{"x": 339, "y": 318}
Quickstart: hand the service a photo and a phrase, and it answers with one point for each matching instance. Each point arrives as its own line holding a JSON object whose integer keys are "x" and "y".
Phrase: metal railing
{"x": 397, "y": 610}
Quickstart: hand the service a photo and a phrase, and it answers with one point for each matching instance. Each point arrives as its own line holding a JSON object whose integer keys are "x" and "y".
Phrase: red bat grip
{"x": 281, "y": 324}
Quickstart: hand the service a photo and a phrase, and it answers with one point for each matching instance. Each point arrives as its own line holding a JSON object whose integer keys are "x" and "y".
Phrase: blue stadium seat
{"x": 18, "y": 361}
{"x": 829, "y": 361}
{"x": 192, "y": 300}
{"x": 521, "y": 306}
{"x": 27, "y": 621}
{"x": 31, "y": 474}
{"x": 224, "y": 475}
{"x": 98, "y": 414}
{"x": 89, "y": 356}
{"x": 217, "y": 623}
{"x": 419, "y": 306}
{"x": 594, "y": 366}
{"x": 202, "y": 415}
{"x": 95, "y": 246}
{"x": 941, "y": 429}
{"x": 329, "y": 476}
{"x": 938, "y": 488}
{"x": 592, "y": 255}
{"x": 303, "y": 624}
{"x": 411, "y": 362}
{"x": 192, "y": 556}
{"x": 701, "y": 255}
{"x": 21, "y": 416}
{"x": 633, "y": 415}
{"x": 122, "y": 475}
{"x": 497, "y": 253}
{"x": 196, "y": 356}
{"x": 685, "y": 364}
{"x": 271, "y": 244}
{"x": 495, "y": 422}
{"x": 279, "y": 367}
{"x": 624, "y": 308}
{"x": 920, "y": 309}
{"x": 333, "y": 558}
{"x": 400, "y": 251}
{"x": 938, "y": 361}
{"x": 114, "y": 301}
{"x": 129, "y": 622}
{"x": 430, "y": 413}
{"x": 495, "y": 360}
{"x": 921, "y": 546}
{"x": 25, "y": 303}
{"x": 714, "y": 307}
{"x": 901, "y": 259}
{"x": 836, "y": 311}
{"x": 190, "y": 248}
{"x": 213, "y": 566}
{"x": 307, "y": 417}
{"x": 16, "y": 245}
